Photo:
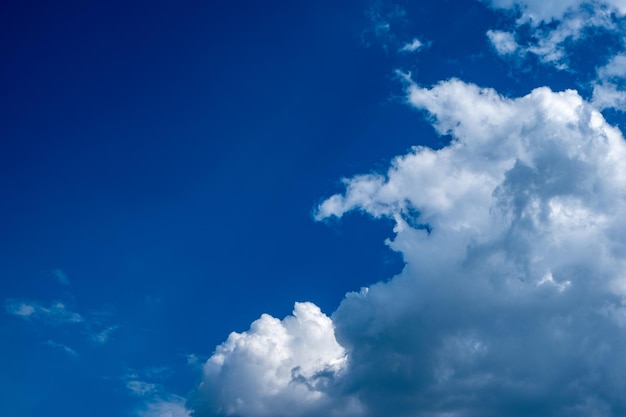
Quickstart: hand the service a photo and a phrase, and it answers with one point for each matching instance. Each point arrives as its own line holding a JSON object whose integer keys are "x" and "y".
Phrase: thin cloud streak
{"x": 56, "y": 313}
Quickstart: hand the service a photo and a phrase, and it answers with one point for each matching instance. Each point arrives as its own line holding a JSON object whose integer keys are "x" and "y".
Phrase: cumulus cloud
{"x": 513, "y": 297}
{"x": 277, "y": 368}
{"x": 57, "y": 312}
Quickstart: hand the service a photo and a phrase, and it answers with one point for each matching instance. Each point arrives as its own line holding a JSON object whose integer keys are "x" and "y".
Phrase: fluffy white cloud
{"x": 513, "y": 298}
{"x": 277, "y": 368}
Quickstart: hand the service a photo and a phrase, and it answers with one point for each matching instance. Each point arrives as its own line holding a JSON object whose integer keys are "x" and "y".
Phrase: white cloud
{"x": 503, "y": 42}
{"x": 56, "y": 313}
{"x": 277, "y": 368}
{"x": 614, "y": 69}
{"x": 550, "y": 45}
{"x": 609, "y": 95}
{"x": 609, "y": 88}
{"x": 512, "y": 299}
{"x": 496, "y": 306}
{"x": 554, "y": 26}
{"x": 412, "y": 46}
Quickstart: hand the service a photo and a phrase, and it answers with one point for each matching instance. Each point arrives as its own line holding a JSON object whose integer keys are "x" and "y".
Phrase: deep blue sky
{"x": 166, "y": 158}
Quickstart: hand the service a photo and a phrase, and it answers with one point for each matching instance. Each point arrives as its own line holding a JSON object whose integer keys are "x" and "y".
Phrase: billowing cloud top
{"x": 512, "y": 298}
{"x": 512, "y": 301}
{"x": 277, "y": 368}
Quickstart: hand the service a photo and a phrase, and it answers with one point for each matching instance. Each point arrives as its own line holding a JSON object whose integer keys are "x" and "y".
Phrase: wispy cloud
{"x": 62, "y": 347}
{"x": 383, "y": 16}
{"x": 59, "y": 314}
{"x": 539, "y": 11}
{"x": 551, "y": 41}
{"x": 61, "y": 276}
{"x": 551, "y": 31}
{"x": 103, "y": 336}
{"x": 155, "y": 400}
{"x": 170, "y": 406}
{"x": 20, "y": 308}
{"x": 193, "y": 360}
{"x": 412, "y": 46}
{"x": 56, "y": 313}
{"x": 140, "y": 388}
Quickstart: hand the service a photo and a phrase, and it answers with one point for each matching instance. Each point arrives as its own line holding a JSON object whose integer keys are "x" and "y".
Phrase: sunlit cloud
{"x": 514, "y": 247}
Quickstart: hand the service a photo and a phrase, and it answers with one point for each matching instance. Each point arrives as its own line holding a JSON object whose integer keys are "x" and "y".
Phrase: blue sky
{"x": 437, "y": 186}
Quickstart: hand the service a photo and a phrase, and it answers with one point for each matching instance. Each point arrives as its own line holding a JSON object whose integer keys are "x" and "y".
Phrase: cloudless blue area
{"x": 167, "y": 157}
